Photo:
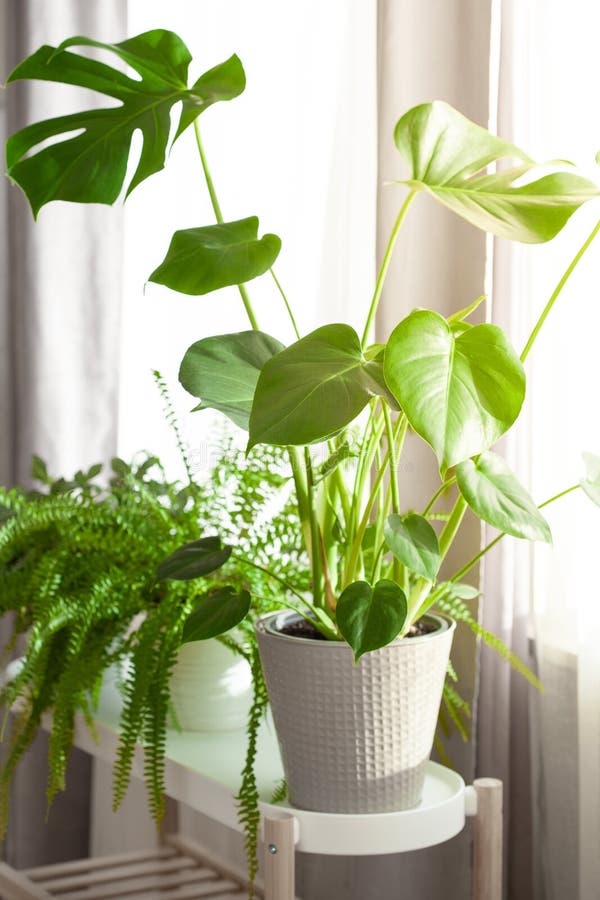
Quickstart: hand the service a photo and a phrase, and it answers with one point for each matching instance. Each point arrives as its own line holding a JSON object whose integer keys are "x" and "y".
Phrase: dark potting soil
{"x": 304, "y": 629}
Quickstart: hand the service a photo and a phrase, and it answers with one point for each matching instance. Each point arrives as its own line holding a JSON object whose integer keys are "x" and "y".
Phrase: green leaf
{"x": 217, "y": 613}
{"x": 413, "y": 541}
{"x": 194, "y": 560}
{"x": 88, "y": 163}
{"x": 591, "y": 482}
{"x": 223, "y": 371}
{"x": 448, "y": 154}
{"x": 201, "y": 260}
{"x": 39, "y": 470}
{"x": 120, "y": 467}
{"x": 460, "y": 393}
{"x": 494, "y": 493}
{"x": 312, "y": 389}
{"x": 370, "y": 618}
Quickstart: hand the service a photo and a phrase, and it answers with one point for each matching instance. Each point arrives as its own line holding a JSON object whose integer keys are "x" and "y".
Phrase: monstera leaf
{"x": 459, "y": 392}
{"x": 314, "y": 388}
{"x": 413, "y": 541}
{"x": 497, "y": 496}
{"x": 371, "y": 617}
{"x": 591, "y": 482}
{"x": 223, "y": 370}
{"x": 448, "y": 155}
{"x": 201, "y": 260}
{"x": 88, "y": 163}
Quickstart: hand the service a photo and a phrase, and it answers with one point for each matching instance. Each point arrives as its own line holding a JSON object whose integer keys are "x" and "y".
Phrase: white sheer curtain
{"x": 549, "y": 97}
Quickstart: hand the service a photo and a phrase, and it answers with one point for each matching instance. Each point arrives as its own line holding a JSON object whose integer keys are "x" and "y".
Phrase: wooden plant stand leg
{"x": 279, "y": 858}
{"x": 487, "y": 840}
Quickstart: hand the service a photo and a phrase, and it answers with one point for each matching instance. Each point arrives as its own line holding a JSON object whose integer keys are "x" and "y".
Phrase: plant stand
{"x": 440, "y": 816}
{"x": 202, "y": 770}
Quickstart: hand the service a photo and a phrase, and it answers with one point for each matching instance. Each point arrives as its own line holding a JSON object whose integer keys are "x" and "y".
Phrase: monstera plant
{"x": 458, "y": 386}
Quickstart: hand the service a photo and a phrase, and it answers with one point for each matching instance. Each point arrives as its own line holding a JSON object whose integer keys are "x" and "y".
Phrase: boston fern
{"x": 78, "y": 566}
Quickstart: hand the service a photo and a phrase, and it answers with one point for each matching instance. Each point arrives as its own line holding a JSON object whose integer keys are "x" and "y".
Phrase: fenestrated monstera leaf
{"x": 89, "y": 164}
{"x": 497, "y": 496}
{"x": 459, "y": 393}
{"x": 448, "y": 155}
{"x": 313, "y": 388}
{"x": 222, "y": 371}
{"x": 201, "y": 260}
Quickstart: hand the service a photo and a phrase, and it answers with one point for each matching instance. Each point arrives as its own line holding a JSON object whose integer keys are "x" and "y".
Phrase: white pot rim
{"x": 271, "y": 623}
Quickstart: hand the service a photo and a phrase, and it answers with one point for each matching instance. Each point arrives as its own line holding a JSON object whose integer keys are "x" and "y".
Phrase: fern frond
{"x": 459, "y": 610}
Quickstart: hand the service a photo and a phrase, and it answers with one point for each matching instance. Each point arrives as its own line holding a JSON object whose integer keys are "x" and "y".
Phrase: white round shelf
{"x": 439, "y": 817}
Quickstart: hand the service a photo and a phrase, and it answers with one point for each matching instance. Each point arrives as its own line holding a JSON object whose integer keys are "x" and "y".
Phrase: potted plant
{"x": 78, "y": 571}
{"x": 371, "y": 641}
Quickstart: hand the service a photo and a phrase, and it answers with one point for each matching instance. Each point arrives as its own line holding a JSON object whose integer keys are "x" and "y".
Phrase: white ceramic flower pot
{"x": 211, "y": 688}
{"x": 354, "y": 739}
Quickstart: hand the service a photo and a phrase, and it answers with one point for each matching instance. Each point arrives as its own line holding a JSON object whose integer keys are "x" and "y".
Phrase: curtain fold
{"x": 543, "y": 600}
{"x": 59, "y": 320}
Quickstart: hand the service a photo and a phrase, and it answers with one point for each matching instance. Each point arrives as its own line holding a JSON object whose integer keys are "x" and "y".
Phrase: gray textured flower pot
{"x": 354, "y": 739}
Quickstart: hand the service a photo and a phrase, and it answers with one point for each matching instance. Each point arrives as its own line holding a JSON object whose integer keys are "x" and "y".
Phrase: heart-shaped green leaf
{"x": 201, "y": 260}
{"x": 494, "y": 493}
{"x": 312, "y": 389}
{"x": 448, "y": 154}
{"x": 88, "y": 163}
{"x": 370, "y": 618}
{"x": 194, "y": 560}
{"x": 413, "y": 541}
{"x": 591, "y": 482}
{"x": 460, "y": 393}
{"x": 223, "y": 370}
{"x": 217, "y": 613}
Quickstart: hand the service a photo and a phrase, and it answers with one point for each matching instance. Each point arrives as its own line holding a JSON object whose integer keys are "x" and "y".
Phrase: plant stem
{"x": 286, "y": 301}
{"x": 314, "y": 533}
{"x": 443, "y": 487}
{"x": 384, "y": 267}
{"x": 355, "y": 549}
{"x": 282, "y": 581}
{"x": 472, "y": 562}
{"x": 452, "y": 525}
{"x": 557, "y": 290}
{"x": 392, "y": 459}
{"x": 219, "y": 217}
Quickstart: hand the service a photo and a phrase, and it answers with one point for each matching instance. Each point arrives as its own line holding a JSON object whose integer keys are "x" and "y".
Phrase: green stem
{"x": 443, "y": 487}
{"x": 360, "y": 531}
{"x": 282, "y": 581}
{"x": 452, "y": 525}
{"x": 472, "y": 562}
{"x": 557, "y": 290}
{"x": 392, "y": 459}
{"x": 219, "y": 217}
{"x": 320, "y": 625}
{"x": 384, "y": 267}
{"x": 317, "y": 566}
{"x": 287, "y": 303}
{"x": 301, "y": 488}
